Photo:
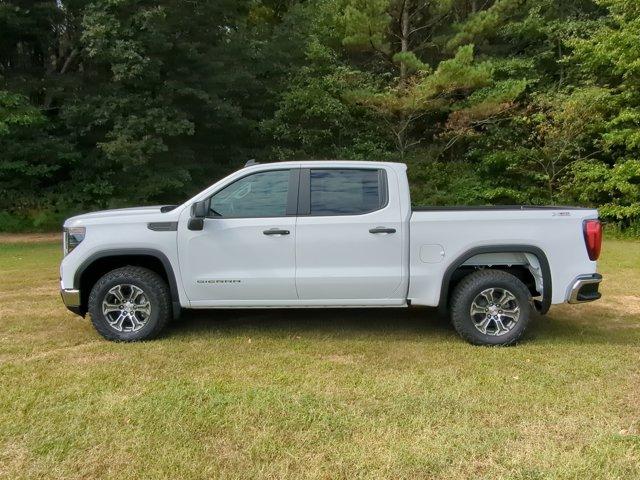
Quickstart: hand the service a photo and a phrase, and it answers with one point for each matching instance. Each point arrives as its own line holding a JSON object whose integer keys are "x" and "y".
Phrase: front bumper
{"x": 72, "y": 300}
{"x": 584, "y": 288}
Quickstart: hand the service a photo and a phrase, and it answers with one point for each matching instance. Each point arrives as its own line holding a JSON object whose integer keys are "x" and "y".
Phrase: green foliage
{"x": 411, "y": 61}
{"x": 111, "y": 103}
{"x": 41, "y": 220}
{"x": 33, "y": 158}
{"x": 445, "y": 183}
{"x": 315, "y": 119}
{"x": 457, "y": 75}
{"x": 484, "y": 23}
{"x": 365, "y": 23}
{"x": 485, "y": 105}
{"x": 116, "y": 103}
{"x": 17, "y": 112}
{"x": 615, "y": 189}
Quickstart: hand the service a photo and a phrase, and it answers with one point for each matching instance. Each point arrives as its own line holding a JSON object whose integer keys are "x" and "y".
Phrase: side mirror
{"x": 199, "y": 211}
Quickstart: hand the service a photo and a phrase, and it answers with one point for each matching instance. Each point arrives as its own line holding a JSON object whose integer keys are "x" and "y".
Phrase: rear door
{"x": 348, "y": 236}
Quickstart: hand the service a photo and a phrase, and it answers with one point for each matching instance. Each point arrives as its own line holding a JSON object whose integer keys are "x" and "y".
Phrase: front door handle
{"x": 276, "y": 231}
{"x": 382, "y": 230}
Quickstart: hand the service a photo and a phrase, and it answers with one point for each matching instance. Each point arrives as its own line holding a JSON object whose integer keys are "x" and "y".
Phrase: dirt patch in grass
{"x": 76, "y": 354}
{"x": 30, "y": 237}
{"x": 13, "y": 455}
{"x": 625, "y": 304}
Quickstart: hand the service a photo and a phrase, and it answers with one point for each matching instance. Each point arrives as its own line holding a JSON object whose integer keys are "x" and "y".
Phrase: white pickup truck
{"x": 327, "y": 234}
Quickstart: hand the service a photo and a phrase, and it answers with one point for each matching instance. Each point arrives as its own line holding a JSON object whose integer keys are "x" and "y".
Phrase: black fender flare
{"x": 123, "y": 252}
{"x": 543, "y": 306}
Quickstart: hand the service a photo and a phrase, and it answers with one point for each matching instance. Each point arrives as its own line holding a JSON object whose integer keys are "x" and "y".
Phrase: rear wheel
{"x": 130, "y": 304}
{"x": 490, "y": 307}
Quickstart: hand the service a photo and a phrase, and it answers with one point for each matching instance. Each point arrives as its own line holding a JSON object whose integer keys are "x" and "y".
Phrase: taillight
{"x": 592, "y": 237}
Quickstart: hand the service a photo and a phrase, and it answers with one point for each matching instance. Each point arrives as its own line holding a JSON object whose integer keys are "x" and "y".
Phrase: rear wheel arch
{"x": 100, "y": 263}
{"x": 449, "y": 275}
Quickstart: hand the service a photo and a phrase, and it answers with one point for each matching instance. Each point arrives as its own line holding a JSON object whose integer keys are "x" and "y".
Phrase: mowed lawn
{"x": 317, "y": 394}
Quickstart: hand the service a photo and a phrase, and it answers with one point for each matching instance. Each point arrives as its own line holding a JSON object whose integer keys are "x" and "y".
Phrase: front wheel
{"x": 490, "y": 307}
{"x": 130, "y": 304}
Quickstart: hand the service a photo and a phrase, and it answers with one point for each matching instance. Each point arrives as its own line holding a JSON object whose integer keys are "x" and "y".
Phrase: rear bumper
{"x": 71, "y": 299}
{"x": 584, "y": 288}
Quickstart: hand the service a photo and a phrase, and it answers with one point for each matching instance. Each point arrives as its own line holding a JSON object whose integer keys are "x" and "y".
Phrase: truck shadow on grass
{"x": 323, "y": 320}
{"x": 419, "y": 322}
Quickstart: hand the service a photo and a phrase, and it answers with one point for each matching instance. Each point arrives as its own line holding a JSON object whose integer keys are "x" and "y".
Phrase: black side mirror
{"x": 199, "y": 211}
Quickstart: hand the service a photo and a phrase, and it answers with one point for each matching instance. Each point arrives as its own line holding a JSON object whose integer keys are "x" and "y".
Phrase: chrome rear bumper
{"x": 584, "y": 288}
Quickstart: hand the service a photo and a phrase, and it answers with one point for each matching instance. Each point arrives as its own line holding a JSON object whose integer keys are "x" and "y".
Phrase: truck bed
{"x": 441, "y": 236}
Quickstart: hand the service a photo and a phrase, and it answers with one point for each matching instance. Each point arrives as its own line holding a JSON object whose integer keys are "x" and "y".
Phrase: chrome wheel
{"x": 126, "y": 307}
{"x": 495, "y": 311}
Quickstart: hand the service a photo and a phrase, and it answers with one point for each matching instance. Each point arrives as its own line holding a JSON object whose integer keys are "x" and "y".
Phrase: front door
{"x": 349, "y": 238}
{"x": 245, "y": 255}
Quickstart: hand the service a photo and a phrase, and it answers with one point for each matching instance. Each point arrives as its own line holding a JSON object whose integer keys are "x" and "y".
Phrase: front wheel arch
{"x": 100, "y": 263}
{"x": 135, "y": 295}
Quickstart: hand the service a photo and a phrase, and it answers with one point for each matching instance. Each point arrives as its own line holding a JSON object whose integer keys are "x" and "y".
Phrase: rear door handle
{"x": 382, "y": 230}
{"x": 276, "y": 231}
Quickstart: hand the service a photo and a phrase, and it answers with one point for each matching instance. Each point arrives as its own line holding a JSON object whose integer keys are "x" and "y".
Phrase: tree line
{"x": 109, "y": 103}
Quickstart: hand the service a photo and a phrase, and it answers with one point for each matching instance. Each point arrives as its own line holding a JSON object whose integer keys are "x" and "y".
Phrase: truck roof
{"x": 333, "y": 163}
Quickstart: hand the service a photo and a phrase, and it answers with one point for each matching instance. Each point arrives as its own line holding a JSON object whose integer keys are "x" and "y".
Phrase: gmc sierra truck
{"x": 319, "y": 234}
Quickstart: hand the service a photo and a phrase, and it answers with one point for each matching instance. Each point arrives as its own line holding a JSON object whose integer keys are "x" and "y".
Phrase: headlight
{"x": 72, "y": 238}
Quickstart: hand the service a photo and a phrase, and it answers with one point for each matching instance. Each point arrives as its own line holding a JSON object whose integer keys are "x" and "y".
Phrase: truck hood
{"x": 115, "y": 213}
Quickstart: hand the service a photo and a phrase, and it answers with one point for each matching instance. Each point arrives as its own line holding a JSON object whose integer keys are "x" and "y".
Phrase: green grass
{"x": 317, "y": 394}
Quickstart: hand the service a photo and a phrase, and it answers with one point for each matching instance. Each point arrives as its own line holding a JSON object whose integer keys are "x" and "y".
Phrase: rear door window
{"x": 346, "y": 191}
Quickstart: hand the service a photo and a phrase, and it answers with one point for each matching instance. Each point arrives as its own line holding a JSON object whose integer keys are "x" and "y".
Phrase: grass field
{"x": 317, "y": 394}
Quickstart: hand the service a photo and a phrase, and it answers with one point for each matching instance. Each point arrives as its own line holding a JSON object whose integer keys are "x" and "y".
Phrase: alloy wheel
{"x": 495, "y": 311}
{"x": 126, "y": 308}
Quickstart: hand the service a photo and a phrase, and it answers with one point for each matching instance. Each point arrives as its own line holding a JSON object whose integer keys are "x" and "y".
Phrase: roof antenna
{"x": 251, "y": 162}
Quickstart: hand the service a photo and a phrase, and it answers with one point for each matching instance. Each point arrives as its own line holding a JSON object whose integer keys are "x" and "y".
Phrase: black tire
{"x": 471, "y": 288}
{"x": 155, "y": 293}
